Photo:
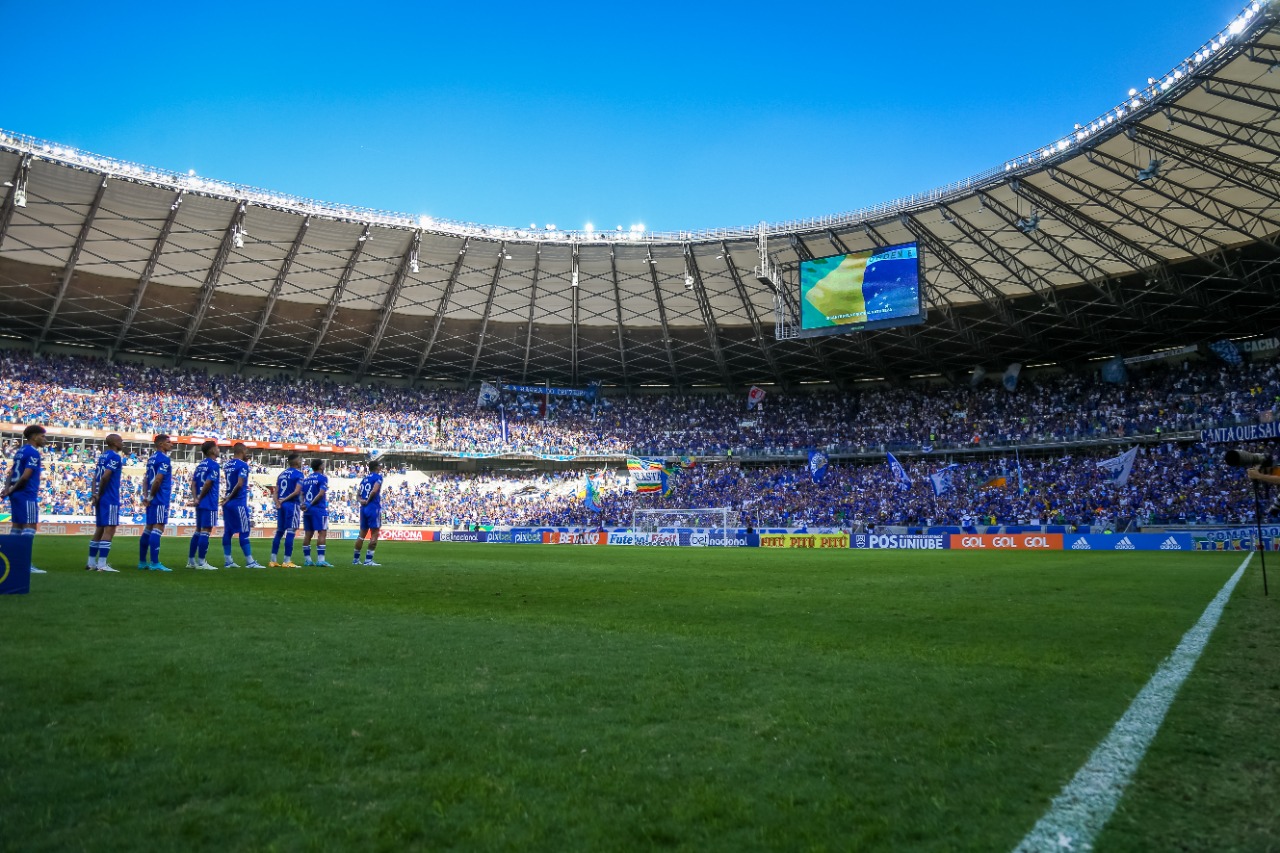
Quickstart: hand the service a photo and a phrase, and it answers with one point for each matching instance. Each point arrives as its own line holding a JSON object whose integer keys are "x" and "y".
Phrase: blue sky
{"x": 674, "y": 115}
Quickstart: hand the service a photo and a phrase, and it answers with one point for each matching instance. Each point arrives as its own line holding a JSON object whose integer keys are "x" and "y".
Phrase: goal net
{"x": 718, "y": 524}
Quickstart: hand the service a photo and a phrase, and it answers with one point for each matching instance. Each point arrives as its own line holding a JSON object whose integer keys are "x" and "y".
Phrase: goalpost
{"x": 720, "y": 522}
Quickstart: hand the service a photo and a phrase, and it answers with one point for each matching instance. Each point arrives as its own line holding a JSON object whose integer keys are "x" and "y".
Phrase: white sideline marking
{"x": 1086, "y": 803}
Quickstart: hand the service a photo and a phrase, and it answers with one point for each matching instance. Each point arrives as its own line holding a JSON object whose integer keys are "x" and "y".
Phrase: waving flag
{"x": 489, "y": 394}
{"x": 818, "y": 465}
{"x": 589, "y": 494}
{"x": 941, "y": 481}
{"x": 899, "y": 473}
{"x": 646, "y": 475}
{"x": 1118, "y": 469}
{"x": 755, "y": 397}
{"x": 502, "y": 412}
{"x": 1010, "y": 378}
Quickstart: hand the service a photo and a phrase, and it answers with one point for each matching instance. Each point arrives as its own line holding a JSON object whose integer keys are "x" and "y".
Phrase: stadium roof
{"x": 1151, "y": 226}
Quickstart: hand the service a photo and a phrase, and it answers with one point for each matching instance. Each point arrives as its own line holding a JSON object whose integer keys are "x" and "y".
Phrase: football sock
{"x": 226, "y": 544}
{"x": 275, "y": 545}
{"x": 155, "y": 546}
{"x": 306, "y": 552}
{"x": 195, "y": 546}
{"x": 93, "y": 553}
{"x": 144, "y": 544}
{"x": 288, "y": 546}
{"x": 320, "y": 553}
{"x": 204, "y": 546}
{"x": 246, "y": 547}
{"x": 368, "y": 553}
{"x": 104, "y": 548}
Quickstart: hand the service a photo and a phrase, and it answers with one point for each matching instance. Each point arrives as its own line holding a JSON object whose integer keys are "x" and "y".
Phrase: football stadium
{"x": 939, "y": 524}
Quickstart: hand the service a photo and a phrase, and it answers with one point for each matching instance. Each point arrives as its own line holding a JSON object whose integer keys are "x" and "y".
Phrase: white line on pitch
{"x": 1086, "y": 803}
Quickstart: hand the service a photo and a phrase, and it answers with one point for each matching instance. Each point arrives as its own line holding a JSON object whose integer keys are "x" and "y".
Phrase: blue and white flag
{"x": 1227, "y": 351}
{"x": 1117, "y": 469}
{"x": 899, "y": 473}
{"x": 975, "y": 378}
{"x": 1114, "y": 371}
{"x": 489, "y": 394}
{"x": 502, "y": 413}
{"x": 941, "y": 481}
{"x": 1010, "y": 379}
{"x": 818, "y": 465}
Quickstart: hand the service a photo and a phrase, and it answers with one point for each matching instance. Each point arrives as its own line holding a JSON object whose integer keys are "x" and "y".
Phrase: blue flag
{"x": 941, "y": 481}
{"x": 1114, "y": 371}
{"x": 502, "y": 412}
{"x": 818, "y": 465}
{"x": 899, "y": 473}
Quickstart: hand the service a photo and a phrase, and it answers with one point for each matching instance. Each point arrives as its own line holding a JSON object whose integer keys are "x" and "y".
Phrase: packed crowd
{"x": 1170, "y": 484}
{"x": 87, "y": 392}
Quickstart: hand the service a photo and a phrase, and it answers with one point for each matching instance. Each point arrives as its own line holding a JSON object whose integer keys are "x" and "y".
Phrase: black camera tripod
{"x": 1257, "y": 516}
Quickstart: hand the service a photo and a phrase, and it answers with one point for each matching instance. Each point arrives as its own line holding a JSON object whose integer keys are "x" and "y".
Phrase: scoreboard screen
{"x": 863, "y": 290}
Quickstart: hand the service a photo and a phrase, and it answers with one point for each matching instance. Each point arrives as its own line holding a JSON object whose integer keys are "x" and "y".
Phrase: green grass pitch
{"x": 573, "y": 698}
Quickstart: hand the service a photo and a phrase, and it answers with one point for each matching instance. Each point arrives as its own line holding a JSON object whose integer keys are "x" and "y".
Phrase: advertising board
{"x": 804, "y": 540}
{"x": 1128, "y": 542}
{"x": 898, "y": 540}
{"x": 1006, "y": 541}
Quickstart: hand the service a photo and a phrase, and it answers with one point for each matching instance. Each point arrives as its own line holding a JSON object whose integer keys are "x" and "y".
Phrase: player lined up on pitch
{"x": 299, "y": 500}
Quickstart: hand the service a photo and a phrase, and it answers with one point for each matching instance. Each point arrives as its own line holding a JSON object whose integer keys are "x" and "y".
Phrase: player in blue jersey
{"x": 204, "y": 497}
{"x": 315, "y": 513}
{"x": 369, "y": 493}
{"x": 22, "y": 486}
{"x": 106, "y": 504}
{"x": 157, "y": 489}
{"x": 288, "y": 515}
{"x": 237, "y": 519}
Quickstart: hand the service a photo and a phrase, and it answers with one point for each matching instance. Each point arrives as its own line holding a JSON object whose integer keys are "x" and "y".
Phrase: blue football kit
{"x": 370, "y": 513}
{"x": 24, "y": 503}
{"x": 109, "y": 467}
{"x": 207, "y": 471}
{"x": 235, "y": 512}
{"x": 158, "y": 467}
{"x": 286, "y": 483}
{"x": 315, "y": 502}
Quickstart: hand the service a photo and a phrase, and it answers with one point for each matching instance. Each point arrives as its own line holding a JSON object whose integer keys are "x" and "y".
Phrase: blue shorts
{"x": 315, "y": 519}
{"x": 107, "y": 515}
{"x": 206, "y": 518}
{"x": 24, "y": 511}
{"x": 287, "y": 517}
{"x": 237, "y": 519}
{"x": 370, "y": 518}
{"x": 157, "y": 515}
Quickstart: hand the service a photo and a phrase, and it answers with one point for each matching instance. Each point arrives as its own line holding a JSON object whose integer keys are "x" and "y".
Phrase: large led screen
{"x": 870, "y": 289}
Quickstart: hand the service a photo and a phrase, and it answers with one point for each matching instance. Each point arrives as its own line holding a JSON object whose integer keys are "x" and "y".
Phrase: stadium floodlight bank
{"x": 720, "y": 523}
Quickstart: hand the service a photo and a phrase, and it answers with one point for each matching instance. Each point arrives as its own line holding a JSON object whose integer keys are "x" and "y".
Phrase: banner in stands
{"x": 1245, "y": 432}
{"x": 897, "y": 540}
{"x": 1228, "y": 534}
{"x": 146, "y": 438}
{"x": 1007, "y": 541}
{"x": 804, "y": 540}
{"x": 588, "y": 393}
{"x": 1128, "y": 542}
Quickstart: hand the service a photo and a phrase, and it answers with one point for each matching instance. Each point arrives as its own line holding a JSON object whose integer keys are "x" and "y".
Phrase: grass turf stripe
{"x": 1087, "y": 802}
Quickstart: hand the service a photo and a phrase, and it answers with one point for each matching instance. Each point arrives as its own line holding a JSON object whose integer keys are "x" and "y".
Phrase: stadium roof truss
{"x": 1153, "y": 225}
